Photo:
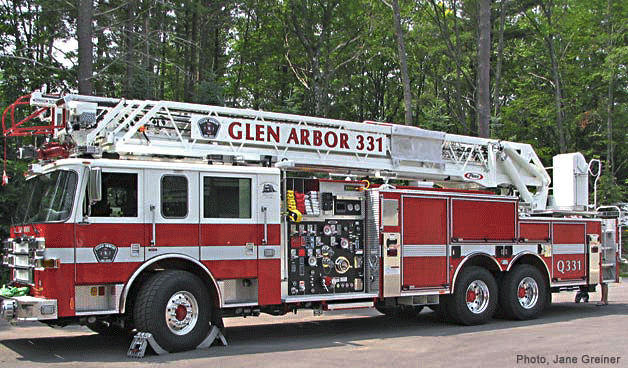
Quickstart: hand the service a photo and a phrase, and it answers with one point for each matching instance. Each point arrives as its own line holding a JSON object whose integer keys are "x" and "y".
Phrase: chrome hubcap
{"x": 528, "y": 292}
{"x": 181, "y": 312}
{"x": 477, "y": 296}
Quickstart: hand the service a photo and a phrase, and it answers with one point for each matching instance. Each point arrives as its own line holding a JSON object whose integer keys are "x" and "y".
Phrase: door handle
{"x": 265, "y": 211}
{"x": 250, "y": 249}
{"x": 153, "y": 239}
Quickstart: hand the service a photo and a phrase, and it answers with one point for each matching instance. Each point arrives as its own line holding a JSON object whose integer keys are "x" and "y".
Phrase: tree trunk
{"x": 403, "y": 59}
{"x": 558, "y": 94}
{"x": 484, "y": 67}
{"x": 499, "y": 62}
{"x": 130, "y": 49}
{"x": 610, "y": 96}
{"x": 240, "y": 73}
{"x": 163, "y": 43}
{"x": 85, "y": 46}
{"x": 98, "y": 87}
{"x": 609, "y": 122}
{"x": 192, "y": 57}
{"x": 148, "y": 60}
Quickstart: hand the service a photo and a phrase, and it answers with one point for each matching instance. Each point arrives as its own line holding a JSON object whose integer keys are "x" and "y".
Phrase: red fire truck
{"x": 164, "y": 217}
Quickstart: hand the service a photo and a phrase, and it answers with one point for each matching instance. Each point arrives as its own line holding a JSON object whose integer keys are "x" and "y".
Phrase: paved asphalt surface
{"x": 567, "y": 335}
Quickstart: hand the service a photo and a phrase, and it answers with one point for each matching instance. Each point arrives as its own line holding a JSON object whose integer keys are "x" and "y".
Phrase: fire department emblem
{"x": 105, "y": 252}
{"x": 209, "y": 127}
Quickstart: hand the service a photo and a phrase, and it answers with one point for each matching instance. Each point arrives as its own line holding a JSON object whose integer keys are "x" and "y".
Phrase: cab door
{"x": 110, "y": 238}
{"x": 172, "y": 213}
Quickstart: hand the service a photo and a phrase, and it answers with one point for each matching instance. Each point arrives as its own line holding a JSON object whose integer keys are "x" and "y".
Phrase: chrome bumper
{"x": 28, "y": 308}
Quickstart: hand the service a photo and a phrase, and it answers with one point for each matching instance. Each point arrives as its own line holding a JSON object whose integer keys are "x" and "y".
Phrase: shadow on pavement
{"x": 295, "y": 336}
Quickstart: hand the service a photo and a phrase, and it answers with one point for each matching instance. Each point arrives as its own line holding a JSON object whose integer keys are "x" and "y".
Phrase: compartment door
{"x": 424, "y": 242}
{"x": 230, "y": 228}
{"x": 569, "y": 251}
{"x": 391, "y": 247}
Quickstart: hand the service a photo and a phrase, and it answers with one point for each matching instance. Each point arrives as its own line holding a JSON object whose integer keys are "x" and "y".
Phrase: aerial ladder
{"x": 166, "y": 129}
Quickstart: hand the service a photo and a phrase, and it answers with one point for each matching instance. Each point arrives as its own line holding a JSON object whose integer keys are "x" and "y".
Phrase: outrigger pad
{"x": 142, "y": 340}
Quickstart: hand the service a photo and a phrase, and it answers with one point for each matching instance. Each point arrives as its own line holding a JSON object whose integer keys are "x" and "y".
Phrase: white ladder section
{"x": 175, "y": 129}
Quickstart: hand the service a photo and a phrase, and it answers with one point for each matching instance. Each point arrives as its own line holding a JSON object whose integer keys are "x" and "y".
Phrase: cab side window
{"x": 226, "y": 197}
{"x": 174, "y": 196}
{"x": 119, "y": 196}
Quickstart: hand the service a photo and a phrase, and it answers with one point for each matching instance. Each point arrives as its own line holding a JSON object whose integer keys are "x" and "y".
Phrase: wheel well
{"x": 479, "y": 260}
{"x": 534, "y": 261}
{"x": 169, "y": 263}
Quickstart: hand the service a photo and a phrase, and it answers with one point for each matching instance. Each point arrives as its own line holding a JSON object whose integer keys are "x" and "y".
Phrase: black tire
{"x": 480, "y": 285}
{"x": 442, "y": 308}
{"x": 175, "y": 307}
{"x": 524, "y": 293}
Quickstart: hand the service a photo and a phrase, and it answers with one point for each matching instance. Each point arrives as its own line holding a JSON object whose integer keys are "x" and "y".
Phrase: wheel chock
{"x": 142, "y": 340}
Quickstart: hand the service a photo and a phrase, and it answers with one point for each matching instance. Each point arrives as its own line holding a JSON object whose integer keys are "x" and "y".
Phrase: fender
{"x": 514, "y": 260}
{"x": 470, "y": 256}
{"x": 151, "y": 261}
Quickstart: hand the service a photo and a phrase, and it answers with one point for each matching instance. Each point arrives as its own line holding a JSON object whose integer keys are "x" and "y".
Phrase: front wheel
{"x": 524, "y": 293}
{"x": 475, "y": 297}
{"x": 175, "y": 307}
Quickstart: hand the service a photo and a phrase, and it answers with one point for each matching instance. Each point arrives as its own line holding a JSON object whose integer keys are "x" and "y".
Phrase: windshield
{"x": 49, "y": 198}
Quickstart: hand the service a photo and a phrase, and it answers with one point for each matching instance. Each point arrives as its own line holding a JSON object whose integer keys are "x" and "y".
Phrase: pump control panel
{"x": 326, "y": 257}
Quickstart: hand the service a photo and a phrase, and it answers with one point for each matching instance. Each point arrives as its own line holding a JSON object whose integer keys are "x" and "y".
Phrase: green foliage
{"x": 608, "y": 191}
{"x": 209, "y": 92}
{"x": 340, "y": 59}
{"x": 11, "y": 195}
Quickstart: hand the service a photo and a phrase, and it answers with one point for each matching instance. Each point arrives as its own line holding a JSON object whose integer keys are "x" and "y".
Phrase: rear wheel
{"x": 475, "y": 297}
{"x": 175, "y": 307}
{"x": 524, "y": 293}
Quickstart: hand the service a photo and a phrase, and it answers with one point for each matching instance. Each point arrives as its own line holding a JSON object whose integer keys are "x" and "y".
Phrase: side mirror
{"x": 94, "y": 185}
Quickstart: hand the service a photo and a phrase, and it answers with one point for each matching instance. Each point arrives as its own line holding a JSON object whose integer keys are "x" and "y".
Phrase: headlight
{"x": 7, "y": 246}
{"x": 40, "y": 247}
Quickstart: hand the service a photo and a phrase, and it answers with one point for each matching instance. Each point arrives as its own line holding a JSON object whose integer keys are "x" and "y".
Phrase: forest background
{"x": 552, "y": 73}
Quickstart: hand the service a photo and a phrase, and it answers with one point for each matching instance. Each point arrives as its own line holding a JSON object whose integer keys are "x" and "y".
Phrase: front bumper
{"x": 28, "y": 308}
